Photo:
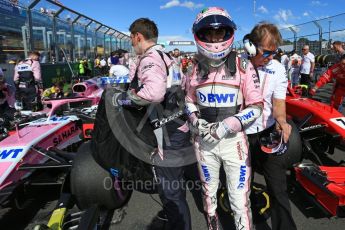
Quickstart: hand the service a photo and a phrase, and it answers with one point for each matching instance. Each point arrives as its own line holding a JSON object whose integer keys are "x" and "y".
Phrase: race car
{"x": 41, "y": 145}
{"x": 322, "y": 129}
{"x": 93, "y": 189}
{"x": 29, "y": 154}
{"x": 321, "y": 126}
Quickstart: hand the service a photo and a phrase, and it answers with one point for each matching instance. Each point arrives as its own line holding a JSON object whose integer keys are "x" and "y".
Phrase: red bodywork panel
{"x": 330, "y": 194}
{"x": 87, "y": 130}
{"x": 299, "y": 107}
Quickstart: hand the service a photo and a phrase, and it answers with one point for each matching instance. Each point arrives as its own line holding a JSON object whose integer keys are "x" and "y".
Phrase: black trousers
{"x": 27, "y": 96}
{"x": 274, "y": 170}
{"x": 172, "y": 181}
{"x": 6, "y": 112}
{"x": 305, "y": 80}
{"x": 172, "y": 192}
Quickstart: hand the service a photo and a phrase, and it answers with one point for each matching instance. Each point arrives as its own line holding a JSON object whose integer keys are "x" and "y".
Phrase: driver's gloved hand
{"x": 200, "y": 126}
{"x": 121, "y": 99}
{"x": 215, "y": 132}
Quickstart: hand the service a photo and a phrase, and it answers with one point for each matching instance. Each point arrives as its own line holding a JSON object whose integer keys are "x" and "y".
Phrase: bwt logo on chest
{"x": 217, "y": 97}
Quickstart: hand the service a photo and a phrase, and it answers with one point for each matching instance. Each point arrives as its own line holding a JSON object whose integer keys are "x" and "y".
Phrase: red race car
{"x": 322, "y": 128}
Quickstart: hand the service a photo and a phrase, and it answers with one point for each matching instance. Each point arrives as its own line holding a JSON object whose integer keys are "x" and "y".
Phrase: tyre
{"x": 259, "y": 198}
{"x": 329, "y": 59}
{"x": 294, "y": 145}
{"x": 91, "y": 184}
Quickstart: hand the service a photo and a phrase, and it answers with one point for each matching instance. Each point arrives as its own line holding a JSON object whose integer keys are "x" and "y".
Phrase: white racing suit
{"x": 236, "y": 100}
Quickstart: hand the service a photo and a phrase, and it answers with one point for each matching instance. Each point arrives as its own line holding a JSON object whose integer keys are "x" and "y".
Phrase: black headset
{"x": 249, "y": 46}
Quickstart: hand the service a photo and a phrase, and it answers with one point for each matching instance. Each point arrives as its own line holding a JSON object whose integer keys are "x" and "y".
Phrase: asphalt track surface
{"x": 141, "y": 210}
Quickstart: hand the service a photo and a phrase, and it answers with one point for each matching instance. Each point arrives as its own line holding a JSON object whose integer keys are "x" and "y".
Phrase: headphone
{"x": 249, "y": 46}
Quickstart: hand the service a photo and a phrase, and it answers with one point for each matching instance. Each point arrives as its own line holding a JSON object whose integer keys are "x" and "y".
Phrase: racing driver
{"x": 222, "y": 98}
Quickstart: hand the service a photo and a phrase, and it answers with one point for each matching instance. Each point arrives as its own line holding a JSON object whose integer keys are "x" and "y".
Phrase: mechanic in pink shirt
{"x": 28, "y": 80}
{"x": 153, "y": 86}
{"x": 223, "y": 97}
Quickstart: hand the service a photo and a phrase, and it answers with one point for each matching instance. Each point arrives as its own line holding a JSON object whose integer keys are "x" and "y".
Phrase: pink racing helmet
{"x": 214, "y": 18}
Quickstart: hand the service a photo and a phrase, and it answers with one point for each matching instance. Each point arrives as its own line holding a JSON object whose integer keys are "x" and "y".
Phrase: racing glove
{"x": 200, "y": 126}
{"x": 214, "y": 132}
{"x": 129, "y": 99}
{"x": 122, "y": 100}
{"x": 191, "y": 111}
{"x": 232, "y": 124}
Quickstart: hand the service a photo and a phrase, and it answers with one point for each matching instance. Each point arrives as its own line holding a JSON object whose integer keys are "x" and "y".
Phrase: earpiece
{"x": 249, "y": 46}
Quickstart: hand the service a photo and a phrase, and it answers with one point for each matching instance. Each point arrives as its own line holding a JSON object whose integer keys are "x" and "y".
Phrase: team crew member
{"x": 337, "y": 72}
{"x": 293, "y": 69}
{"x": 222, "y": 98}
{"x": 56, "y": 91}
{"x": 150, "y": 85}
{"x": 337, "y": 46}
{"x": 28, "y": 80}
{"x": 307, "y": 66}
{"x": 261, "y": 45}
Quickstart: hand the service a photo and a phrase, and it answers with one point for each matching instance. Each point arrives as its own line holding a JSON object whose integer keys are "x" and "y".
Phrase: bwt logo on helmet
{"x": 218, "y": 55}
{"x": 206, "y": 172}
{"x": 217, "y": 97}
{"x": 242, "y": 178}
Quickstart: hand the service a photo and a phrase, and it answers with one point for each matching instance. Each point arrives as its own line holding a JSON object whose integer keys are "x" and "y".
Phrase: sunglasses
{"x": 267, "y": 53}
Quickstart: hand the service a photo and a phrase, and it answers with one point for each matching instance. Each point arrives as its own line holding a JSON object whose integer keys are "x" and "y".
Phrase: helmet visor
{"x": 211, "y": 35}
{"x": 217, "y": 23}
